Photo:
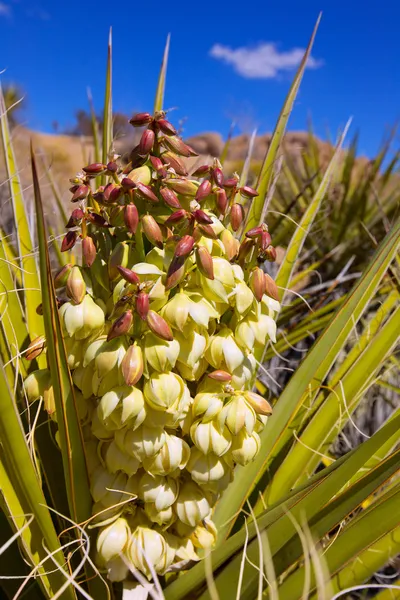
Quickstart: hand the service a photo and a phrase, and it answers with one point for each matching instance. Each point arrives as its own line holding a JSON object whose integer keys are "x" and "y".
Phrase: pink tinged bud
{"x": 159, "y": 326}
{"x": 112, "y": 167}
{"x": 207, "y": 231}
{"x": 176, "y": 217}
{"x": 201, "y": 171}
{"x": 60, "y": 278}
{"x": 258, "y": 403}
{"x": 75, "y": 287}
{"x": 236, "y": 216}
{"x": 158, "y": 166}
{"x": 245, "y": 249}
{"x": 255, "y": 232}
{"x": 128, "y": 275}
{"x": 178, "y": 146}
{"x": 171, "y": 159}
{"x": 141, "y": 119}
{"x": 230, "y": 243}
{"x": 132, "y": 365}
{"x": 182, "y": 186}
{"x": 127, "y": 184}
{"x": 121, "y": 326}
{"x": 88, "y": 251}
{"x": 248, "y": 192}
{"x": 265, "y": 240}
{"x": 81, "y": 192}
{"x": 192, "y": 151}
{"x": 146, "y": 142}
{"x": 166, "y": 127}
{"x": 76, "y": 216}
{"x": 152, "y": 231}
{"x": 69, "y": 241}
{"x": 218, "y": 176}
{"x": 271, "y": 288}
{"x": 131, "y": 218}
{"x": 221, "y": 200}
{"x": 35, "y": 348}
{"x": 97, "y": 220}
{"x": 257, "y": 283}
{"x": 146, "y": 192}
{"x": 142, "y": 305}
{"x": 202, "y": 217}
{"x": 184, "y": 246}
{"x": 170, "y": 198}
{"x": 270, "y": 253}
{"x": 176, "y": 272}
{"x": 204, "y": 262}
{"x": 95, "y": 169}
{"x": 221, "y": 376}
{"x": 205, "y": 189}
{"x": 230, "y": 183}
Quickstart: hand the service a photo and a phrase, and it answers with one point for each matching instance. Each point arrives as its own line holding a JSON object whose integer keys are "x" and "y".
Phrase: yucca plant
{"x": 131, "y": 447}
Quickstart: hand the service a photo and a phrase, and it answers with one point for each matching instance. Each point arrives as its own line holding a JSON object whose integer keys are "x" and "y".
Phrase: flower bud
{"x": 231, "y": 182}
{"x": 36, "y": 383}
{"x": 88, "y": 251}
{"x": 255, "y": 232}
{"x": 270, "y": 254}
{"x": 192, "y": 505}
{"x": 202, "y": 217}
{"x": 142, "y": 442}
{"x": 201, "y": 171}
{"x": 141, "y": 175}
{"x": 75, "y": 286}
{"x": 172, "y": 457}
{"x": 248, "y": 192}
{"x": 95, "y": 169}
{"x": 230, "y": 244}
{"x": 206, "y": 468}
{"x": 245, "y": 447}
{"x": 152, "y": 231}
{"x": 131, "y": 218}
{"x": 163, "y": 390}
{"x": 175, "y": 163}
{"x": 158, "y": 166}
{"x": 271, "y": 288}
{"x": 69, "y": 241}
{"x": 236, "y": 216}
{"x": 204, "y": 262}
{"x": 221, "y": 376}
{"x": 132, "y": 365}
{"x": 257, "y": 283}
{"x": 121, "y": 326}
{"x": 148, "y": 547}
{"x": 129, "y": 275}
{"x": 211, "y": 437}
{"x": 119, "y": 257}
{"x": 177, "y": 145}
{"x": 205, "y": 535}
{"x": 160, "y": 354}
{"x": 258, "y": 403}
{"x": 176, "y": 272}
{"x": 159, "y": 326}
{"x": 81, "y": 192}
{"x": 115, "y": 461}
{"x": 204, "y": 190}
{"x": 61, "y": 277}
{"x": 147, "y": 193}
{"x": 120, "y": 406}
{"x": 141, "y": 119}
{"x": 166, "y": 127}
{"x": 142, "y": 305}
{"x": 218, "y": 176}
{"x": 35, "y": 348}
{"x": 162, "y": 491}
{"x": 146, "y": 142}
{"x": 237, "y": 414}
{"x": 184, "y": 246}
{"x": 182, "y": 186}
{"x": 170, "y": 198}
{"x": 113, "y": 539}
{"x": 223, "y": 351}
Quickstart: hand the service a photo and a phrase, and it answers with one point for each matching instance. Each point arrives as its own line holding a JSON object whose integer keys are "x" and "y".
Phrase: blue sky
{"x": 228, "y": 61}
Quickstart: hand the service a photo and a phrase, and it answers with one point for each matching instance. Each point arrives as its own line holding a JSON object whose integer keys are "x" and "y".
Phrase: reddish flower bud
{"x": 207, "y": 231}
{"x": 158, "y": 166}
{"x": 146, "y": 192}
{"x": 75, "y": 287}
{"x": 192, "y": 150}
{"x": 257, "y": 283}
{"x": 221, "y": 200}
{"x": 236, "y": 216}
{"x": 166, "y": 127}
{"x": 218, "y": 176}
{"x": 132, "y": 365}
{"x": 254, "y": 232}
{"x": 152, "y": 231}
{"x": 202, "y": 217}
{"x": 141, "y": 119}
{"x": 60, "y": 278}
{"x": 121, "y": 326}
{"x": 176, "y": 217}
{"x": 69, "y": 241}
{"x": 131, "y": 218}
{"x": 182, "y": 186}
{"x": 97, "y": 219}
{"x": 146, "y": 142}
{"x": 177, "y": 145}
{"x": 201, "y": 171}
{"x": 204, "y": 262}
{"x": 265, "y": 240}
{"x": 88, "y": 251}
{"x": 112, "y": 167}
{"x": 258, "y": 403}
{"x": 170, "y": 197}
{"x": 76, "y": 216}
{"x": 176, "y": 272}
{"x": 184, "y": 246}
{"x": 80, "y": 193}
{"x": 171, "y": 159}
{"x": 270, "y": 254}
{"x": 129, "y": 275}
{"x": 127, "y": 184}
{"x": 142, "y": 305}
{"x": 271, "y": 289}
{"x": 248, "y": 192}
{"x": 95, "y": 169}
{"x": 159, "y": 326}
{"x": 244, "y": 250}
{"x": 35, "y": 348}
{"x": 221, "y": 376}
{"x": 204, "y": 190}
{"x": 230, "y": 182}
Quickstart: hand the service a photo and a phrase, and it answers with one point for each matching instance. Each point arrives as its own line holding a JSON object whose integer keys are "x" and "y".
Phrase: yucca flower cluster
{"x": 160, "y": 323}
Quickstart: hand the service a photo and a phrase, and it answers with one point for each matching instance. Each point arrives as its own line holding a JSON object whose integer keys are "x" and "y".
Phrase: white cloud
{"x": 264, "y": 61}
{"x": 5, "y": 10}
